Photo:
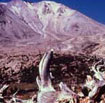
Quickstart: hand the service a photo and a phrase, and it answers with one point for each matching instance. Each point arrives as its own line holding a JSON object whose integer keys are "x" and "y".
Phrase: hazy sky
{"x": 92, "y": 8}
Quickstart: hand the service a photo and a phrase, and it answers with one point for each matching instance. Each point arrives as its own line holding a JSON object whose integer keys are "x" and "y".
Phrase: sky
{"x": 94, "y": 9}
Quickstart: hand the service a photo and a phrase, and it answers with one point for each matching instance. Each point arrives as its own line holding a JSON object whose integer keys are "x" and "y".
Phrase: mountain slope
{"x": 48, "y": 25}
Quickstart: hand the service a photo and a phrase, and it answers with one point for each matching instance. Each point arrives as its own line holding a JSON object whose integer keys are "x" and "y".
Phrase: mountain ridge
{"x": 48, "y": 25}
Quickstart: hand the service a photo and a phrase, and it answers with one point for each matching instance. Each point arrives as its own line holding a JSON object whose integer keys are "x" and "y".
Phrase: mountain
{"x": 27, "y": 30}
{"x": 45, "y": 25}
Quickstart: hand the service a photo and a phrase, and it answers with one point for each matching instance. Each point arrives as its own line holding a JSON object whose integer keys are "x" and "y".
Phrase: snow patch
{"x": 16, "y": 9}
{"x": 30, "y": 6}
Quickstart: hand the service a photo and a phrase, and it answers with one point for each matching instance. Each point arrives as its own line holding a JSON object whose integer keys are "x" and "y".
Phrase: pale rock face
{"x": 48, "y": 23}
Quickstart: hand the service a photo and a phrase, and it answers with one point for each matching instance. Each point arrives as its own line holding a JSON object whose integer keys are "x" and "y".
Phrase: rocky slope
{"x": 24, "y": 24}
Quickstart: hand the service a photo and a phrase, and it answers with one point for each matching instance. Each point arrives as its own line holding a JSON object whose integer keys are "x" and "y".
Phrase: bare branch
{"x": 44, "y": 68}
{"x": 3, "y": 88}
